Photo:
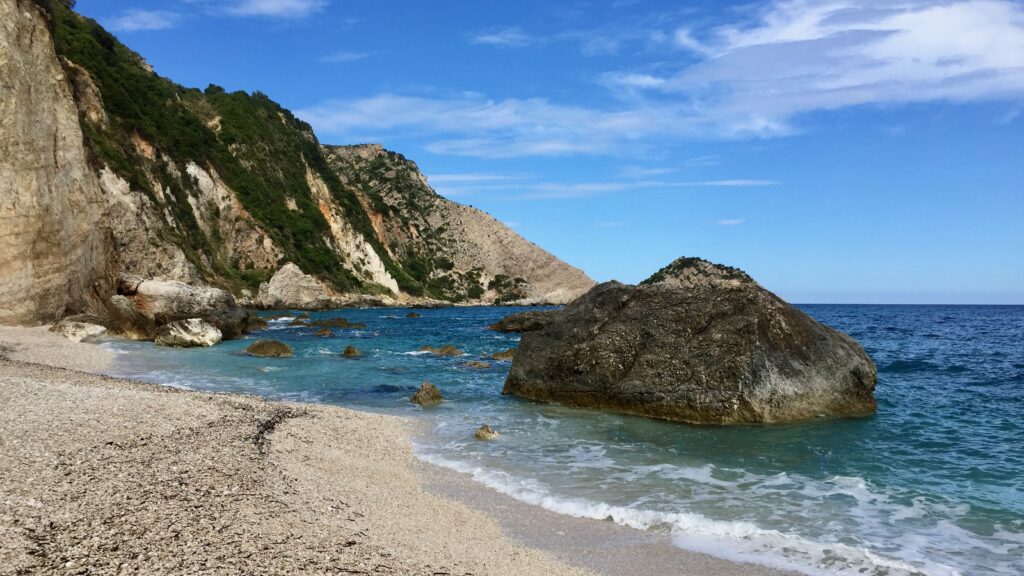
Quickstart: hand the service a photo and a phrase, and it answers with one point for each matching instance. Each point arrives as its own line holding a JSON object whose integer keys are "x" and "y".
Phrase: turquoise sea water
{"x": 933, "y": 484}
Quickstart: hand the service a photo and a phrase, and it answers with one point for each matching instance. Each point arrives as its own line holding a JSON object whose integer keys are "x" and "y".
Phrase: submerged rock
{"x": 505, "y": 356}
{"x": 524, "y": 321}
{"x": 697, "y": 342}
{"x": 485, "y": 432}
{"x": 446, "y": 350}
{"x": 269, "y": 349}
{"x": 477, "y": 364}
{"x": 337, "y": 323}
{"x": 324, "y": 333}
{"x": 78, "y": 331}
{"x": 427, "y": 395}
{"x": 351, "y": 352}
{"x": 190, "y": 333}
{"x": 413, "y": 315}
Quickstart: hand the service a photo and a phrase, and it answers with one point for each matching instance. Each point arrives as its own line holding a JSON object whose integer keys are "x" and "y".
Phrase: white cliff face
{"x": 55, "y": 250}
{"x": 359, "y": 256}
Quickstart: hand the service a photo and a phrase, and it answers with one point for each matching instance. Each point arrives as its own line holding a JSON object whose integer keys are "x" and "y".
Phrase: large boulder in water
{"x": 696, "y": 342}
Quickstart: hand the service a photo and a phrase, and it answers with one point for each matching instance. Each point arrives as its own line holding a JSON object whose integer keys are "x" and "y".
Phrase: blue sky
{"x": 839, "y": 151}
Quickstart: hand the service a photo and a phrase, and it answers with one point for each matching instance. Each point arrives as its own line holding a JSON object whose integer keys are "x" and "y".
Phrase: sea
{"x": 932, "y": 484}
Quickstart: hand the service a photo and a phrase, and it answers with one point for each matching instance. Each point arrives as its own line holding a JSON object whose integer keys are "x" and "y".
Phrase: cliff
{"x": 56, "y": 255}
{"x": 112, "y": 169}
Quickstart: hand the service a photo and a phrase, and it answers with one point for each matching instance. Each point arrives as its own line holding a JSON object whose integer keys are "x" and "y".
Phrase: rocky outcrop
{"x": 78, "y": 331}
{"x": 696, "y": 342}
{"x": 190, "y": 333}
{"x": 169, "y": 300}
{"x": 446, "y": 350}
{"x": 56, "y": 254}
{"x": 291, "y": 289}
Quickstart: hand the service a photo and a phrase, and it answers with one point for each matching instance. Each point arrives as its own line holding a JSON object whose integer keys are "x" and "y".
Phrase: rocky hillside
{"x": 448, "y": 249}
{"x": 157, "y": 180}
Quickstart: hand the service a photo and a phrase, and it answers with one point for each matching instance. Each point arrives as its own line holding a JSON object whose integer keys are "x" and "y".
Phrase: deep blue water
{"x": 932, "y": 484}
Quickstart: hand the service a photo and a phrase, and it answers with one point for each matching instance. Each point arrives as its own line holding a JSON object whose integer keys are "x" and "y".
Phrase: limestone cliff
{"x": 453, "y": 250}
{"x": 55, "y": 249}
{"x": 152, "y": 179}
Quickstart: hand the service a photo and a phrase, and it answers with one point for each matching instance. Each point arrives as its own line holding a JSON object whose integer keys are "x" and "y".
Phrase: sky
{"x": 849, "y": 151}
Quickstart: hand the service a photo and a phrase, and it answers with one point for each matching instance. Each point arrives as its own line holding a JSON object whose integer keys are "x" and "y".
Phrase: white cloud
{"x": 508, "y": 37}
{"x": 731, "y": 222}
{"x": 342, "y": 57}
{"x": 138, "y": 20}
{"x": 804, "y": 56}
{"x": 275, "y": 8}
{"x": 750, "y": 80}
{"x": 473, "y": 177}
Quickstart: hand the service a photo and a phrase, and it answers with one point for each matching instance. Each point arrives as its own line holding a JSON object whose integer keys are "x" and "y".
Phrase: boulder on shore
{"x": 269, "y": 349}
{"x": 78, "y": 331}
{"x": 189, "y": 333}
{"x": 428, "y": 395}
{"x": 291, "y": 288}
{"x": 696, "y": 342}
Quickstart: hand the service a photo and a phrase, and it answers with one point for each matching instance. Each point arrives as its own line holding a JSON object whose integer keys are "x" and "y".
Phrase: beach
{"x": 103, "y": 475}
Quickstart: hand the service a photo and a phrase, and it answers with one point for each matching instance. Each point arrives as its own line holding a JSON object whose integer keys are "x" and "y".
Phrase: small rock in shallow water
{"x": 324, "y": 333}
{"x": 351, "y": 352}
{"x": 427, "y": 395}
{"x": 446, "y": 350}
{"x": 477, "y": 364}
{"x": 412, "y": 315}
{"x": 269, "y": 349}
{"x": 485, "y": 432}
{"x": 507, "y": 355}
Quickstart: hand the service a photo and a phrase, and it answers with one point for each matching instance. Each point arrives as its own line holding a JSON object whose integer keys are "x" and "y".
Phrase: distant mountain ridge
{"x": 224, "y": 188}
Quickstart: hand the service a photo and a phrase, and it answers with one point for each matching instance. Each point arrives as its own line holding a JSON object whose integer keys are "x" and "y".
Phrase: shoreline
{"x": 365, "y": 503}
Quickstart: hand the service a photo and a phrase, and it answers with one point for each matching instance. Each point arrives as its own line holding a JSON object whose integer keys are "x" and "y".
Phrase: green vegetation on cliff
{"x": 259, "y": 149}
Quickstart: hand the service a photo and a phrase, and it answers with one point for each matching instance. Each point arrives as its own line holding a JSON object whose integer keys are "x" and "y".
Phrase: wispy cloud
{"x": 737, "y": 81}
{"x": 730, "y": 222}
{"x": 275, "y": 8}
{"x": 560, "y": 191}
{"x": 343, "y": 56}
{"x": 507, "y": 37}
{"x": 139, "y": 20}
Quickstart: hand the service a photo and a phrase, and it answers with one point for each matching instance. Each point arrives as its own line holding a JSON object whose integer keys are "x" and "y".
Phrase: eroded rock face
{"x": 696, "y": 342}
{"x": 190, "y": 333}
{"x": 290, "y": 288}
{"x": 56, "y": 251}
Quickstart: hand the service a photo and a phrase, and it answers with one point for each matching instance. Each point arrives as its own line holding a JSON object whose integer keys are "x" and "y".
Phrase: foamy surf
{"x": 731, "y": 540}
